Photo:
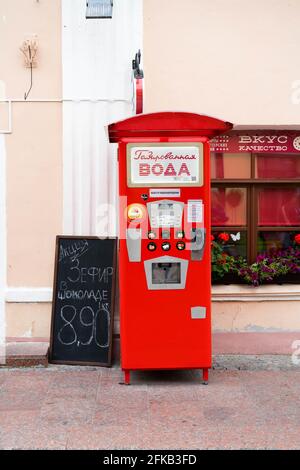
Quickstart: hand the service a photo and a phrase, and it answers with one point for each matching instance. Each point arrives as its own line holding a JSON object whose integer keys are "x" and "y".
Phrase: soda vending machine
{"x": 165, "y": 241}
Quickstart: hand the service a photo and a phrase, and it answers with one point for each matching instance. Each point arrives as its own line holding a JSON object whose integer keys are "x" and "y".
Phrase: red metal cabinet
{"x": 164, "y": 253}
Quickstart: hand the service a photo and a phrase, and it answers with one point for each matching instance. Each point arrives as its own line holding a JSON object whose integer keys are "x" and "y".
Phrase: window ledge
{"x": 238, "y": 293}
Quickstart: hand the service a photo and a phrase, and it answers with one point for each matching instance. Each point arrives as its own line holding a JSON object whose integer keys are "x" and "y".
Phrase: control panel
{"x": 165, "y": 228}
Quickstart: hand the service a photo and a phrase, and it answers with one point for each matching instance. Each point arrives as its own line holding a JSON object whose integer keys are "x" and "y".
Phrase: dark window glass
{"x": 282, "y": 166}
{"x": 275, "y": 241}
{"x": 230, "y": 165}
{"x": 229, "y": 206}
{"x": 237, "y": 243}
{"x": 279, "y": 206}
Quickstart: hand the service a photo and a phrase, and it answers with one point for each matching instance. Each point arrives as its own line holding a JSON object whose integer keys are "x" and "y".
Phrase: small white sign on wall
{"x": 179, "y": 164}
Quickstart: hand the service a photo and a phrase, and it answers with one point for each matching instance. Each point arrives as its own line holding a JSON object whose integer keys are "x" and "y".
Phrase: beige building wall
{"x": 234, "y": 59}
{"x": 33, "y": 155}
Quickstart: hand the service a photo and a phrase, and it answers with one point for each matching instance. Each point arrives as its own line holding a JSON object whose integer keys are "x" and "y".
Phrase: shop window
{"x": 229, "y": 206}
{"x": 279, "y": 206}
{"x": 237, "y": 243}
{"x": 283, "y": 166}
{"x": 256, "y": 202}
{"x": 230, "y": 165}
{"x": 268, "y": 242}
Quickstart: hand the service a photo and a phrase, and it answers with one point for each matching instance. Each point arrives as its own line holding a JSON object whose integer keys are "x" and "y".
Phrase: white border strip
{"x": 254, "y": 298}
{"x": 28, "y": 294}
{"x": 237, "y": 293}
{"x": 219, "y": 294}
{"x": 9, "y": 130}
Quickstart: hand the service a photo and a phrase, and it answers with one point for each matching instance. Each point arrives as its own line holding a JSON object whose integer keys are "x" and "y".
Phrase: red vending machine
{"x": 164, "y": 230}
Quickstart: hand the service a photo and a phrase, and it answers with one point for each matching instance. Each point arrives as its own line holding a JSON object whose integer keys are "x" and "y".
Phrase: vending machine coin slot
{"x": 197, "y": 243}
{"x": 133, "y": 242}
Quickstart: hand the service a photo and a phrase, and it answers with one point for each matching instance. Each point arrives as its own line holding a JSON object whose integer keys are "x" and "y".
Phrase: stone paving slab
{"x": 254, "y": 362}
{"x": 65, "y": 407}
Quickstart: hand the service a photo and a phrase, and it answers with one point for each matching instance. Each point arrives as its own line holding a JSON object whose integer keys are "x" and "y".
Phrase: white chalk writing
{"x": 96, "y": 295}
{"x": 73, "y": 251}
{"x": 68, "y": 335}
{"x": 93, "y": 273}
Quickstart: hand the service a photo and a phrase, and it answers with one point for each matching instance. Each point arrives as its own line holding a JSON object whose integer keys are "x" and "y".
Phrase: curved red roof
{"x": 168, "y": 124}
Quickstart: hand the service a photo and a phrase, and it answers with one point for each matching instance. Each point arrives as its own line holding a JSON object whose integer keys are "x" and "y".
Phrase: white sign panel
{"x": 159, "y": 192}
{"x": 195, "y": 211}
{"x": 179, "y": 164}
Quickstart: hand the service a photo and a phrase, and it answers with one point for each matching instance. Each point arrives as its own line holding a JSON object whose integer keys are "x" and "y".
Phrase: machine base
{"x": 127, "y": 377}
{"x": 204, "y": 376}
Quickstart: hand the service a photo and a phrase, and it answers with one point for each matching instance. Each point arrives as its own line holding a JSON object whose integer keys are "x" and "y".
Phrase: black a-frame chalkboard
{"x": 83, "y": 300}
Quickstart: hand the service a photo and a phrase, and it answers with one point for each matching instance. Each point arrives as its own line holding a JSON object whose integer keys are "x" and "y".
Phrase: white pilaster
{"x": 97, "y": 57}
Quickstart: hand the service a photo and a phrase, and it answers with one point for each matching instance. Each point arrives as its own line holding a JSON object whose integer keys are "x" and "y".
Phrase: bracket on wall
{"x": 137, "y": 71}
{"x": 29, "y": 48}
{"x": 138, "y": 77}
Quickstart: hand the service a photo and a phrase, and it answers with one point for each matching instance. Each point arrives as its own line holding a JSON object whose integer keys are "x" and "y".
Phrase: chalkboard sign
{"x": 83, "y": 301}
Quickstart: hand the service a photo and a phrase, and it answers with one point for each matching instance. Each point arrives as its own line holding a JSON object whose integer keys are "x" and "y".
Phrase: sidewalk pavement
{"x": 65, "y": 407}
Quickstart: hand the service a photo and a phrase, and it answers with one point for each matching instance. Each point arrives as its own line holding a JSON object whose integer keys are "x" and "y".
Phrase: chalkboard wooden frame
{"x": 54, "y": 297}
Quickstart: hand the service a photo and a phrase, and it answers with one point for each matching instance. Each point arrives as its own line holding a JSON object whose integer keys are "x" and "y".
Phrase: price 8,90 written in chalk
{"x": 88, "y": 319}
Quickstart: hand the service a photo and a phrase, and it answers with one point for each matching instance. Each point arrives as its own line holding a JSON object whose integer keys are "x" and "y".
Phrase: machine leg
{"x": 205, "y": 376}
{"x": 127, "y": 377}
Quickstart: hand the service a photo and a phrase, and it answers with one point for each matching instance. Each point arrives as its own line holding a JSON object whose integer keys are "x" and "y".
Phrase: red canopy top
{"x": 167, "y": 124}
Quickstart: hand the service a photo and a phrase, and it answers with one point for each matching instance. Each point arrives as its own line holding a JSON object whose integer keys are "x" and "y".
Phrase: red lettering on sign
{"x": 157, "y": 169}
{"x": 184, "y": 169}
{"x": 144, "y": 169}
{"x": 170, "y": 170}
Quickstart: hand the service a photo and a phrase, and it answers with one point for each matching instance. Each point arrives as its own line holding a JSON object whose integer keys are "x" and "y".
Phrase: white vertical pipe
{"x": 3, "y": 252}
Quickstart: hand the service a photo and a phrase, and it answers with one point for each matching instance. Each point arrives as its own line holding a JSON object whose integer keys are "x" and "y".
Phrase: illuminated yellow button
{"x": 135, "y": 211}
{"x": 179, "y": 234}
